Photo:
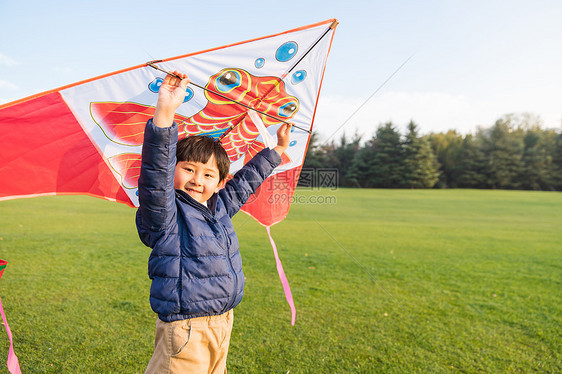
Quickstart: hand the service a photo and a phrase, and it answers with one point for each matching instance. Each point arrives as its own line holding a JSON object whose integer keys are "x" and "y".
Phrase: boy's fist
{"x": 283, "y": 138}
{"x": 170, "y": 97}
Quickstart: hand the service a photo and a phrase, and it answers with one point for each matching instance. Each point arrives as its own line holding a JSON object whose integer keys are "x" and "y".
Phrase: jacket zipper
{"x": 235, "y": 277}
{"x": 207, "y": 213}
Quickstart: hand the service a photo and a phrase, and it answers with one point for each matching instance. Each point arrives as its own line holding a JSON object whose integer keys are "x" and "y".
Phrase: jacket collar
{"x": 211, "y": 203}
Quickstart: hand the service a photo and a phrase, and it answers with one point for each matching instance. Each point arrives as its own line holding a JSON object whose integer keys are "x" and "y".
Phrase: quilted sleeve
{"x": 247, "y": 180}
{"x": 157, "y": 210}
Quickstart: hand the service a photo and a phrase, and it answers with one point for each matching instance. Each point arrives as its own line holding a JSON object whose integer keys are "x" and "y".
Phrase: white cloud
{"x": 433, "y": 111}
{"x": 7, "y": 61}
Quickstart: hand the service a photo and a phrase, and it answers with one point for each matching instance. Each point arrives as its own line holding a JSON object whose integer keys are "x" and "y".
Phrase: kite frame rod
{"x": 331, "y": 27}
{"x": 152, "y": 65}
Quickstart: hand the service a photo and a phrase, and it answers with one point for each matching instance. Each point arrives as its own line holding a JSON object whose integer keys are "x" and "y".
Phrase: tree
{"x": 471, "y": 170}
{"x": 555, "y": 174}
{"x": 315, "y": 159}
{"x": 536, "y": 160}
{"x": 359, "y": 171}
{"x": 387, "y": 166}
{"x": 343, "y": 157}
{"x": 421, "y": 169}
{"x": 447, "y": 149}
{"x": 503, "y": 147}
{"x": 379, "y": 163}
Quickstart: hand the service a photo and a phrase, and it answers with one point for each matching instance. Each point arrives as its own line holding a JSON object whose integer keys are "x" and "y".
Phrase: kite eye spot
{"x": 298, "y": 77}
{"x": 286, "y": 51}
{"x": 188, "y": 94}
{"x": 287, "y": 109}
{"x": 228, "y": 81}
{"x": 260, "y": 62}
{"x": 154, "y": 86}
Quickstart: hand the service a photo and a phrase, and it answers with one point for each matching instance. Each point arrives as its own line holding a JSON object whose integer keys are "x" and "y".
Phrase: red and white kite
{"x": 86, "y": 138}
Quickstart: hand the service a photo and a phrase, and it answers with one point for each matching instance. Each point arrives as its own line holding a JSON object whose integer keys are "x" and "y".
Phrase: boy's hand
{"x": 283, "y": 138}
{"x": 170, "y": 97}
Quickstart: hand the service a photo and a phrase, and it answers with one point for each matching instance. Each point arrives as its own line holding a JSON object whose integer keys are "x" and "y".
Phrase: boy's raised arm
{"x": 156, "y": 181}
{"x": 253, "y": 174}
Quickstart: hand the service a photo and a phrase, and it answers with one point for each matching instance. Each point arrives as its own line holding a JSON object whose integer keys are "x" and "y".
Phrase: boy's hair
{"x": 199, "y": 148}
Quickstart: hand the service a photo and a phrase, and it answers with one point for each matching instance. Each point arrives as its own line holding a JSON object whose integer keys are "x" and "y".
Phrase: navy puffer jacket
{"x": 195, "y": 264}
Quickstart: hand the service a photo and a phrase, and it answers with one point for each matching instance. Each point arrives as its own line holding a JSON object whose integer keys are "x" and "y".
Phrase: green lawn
{"x": 389, "y": 281}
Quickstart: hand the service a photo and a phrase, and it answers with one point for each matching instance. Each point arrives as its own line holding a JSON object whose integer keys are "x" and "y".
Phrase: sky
{"x": 445, "y": 64}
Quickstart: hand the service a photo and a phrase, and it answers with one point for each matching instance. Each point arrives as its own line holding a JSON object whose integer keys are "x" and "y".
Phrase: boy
{"x": 184, "y": 216}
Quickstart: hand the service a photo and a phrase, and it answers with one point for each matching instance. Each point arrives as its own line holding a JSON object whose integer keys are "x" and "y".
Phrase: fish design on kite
{"x": 124, "y": 122}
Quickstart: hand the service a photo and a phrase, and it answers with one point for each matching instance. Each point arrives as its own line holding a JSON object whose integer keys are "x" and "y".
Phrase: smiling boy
{"x": 185, "y": 214}
{"x": 201, "y": 174}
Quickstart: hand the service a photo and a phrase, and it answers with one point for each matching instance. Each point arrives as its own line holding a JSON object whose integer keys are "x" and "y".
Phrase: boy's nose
{"x": 196, "y": 179}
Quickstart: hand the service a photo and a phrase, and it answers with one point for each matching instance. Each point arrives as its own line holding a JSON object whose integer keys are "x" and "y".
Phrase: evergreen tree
{"x": 315, "y": 155}
{"x": 503, "y": 147}
{"x": 471, "y": 170}
{"x": 315, "y": 160}
{"x": 555, "y": 175}
{"x": 359, "y": 172}
{"x": 421, "y": 169}
{"x": 536, "y": 160}
{"x": 343, "y": 157}
{"x": 386, "y": 169}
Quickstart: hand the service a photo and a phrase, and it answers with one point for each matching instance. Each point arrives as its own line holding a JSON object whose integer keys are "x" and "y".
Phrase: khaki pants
{"x": 196, "y": 345}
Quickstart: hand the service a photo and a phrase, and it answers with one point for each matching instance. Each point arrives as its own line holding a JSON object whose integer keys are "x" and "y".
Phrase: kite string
{"x": 369, "y": 98}
{"x": 283, "y": 278}
{"x": 13, "y": 363}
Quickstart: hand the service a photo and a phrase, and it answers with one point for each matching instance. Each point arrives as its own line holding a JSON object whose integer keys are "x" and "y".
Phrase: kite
{"x": 86, "y": 138}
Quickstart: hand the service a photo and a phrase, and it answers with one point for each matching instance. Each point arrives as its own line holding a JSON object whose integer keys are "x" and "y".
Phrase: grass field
{"x": 384, "y": 281}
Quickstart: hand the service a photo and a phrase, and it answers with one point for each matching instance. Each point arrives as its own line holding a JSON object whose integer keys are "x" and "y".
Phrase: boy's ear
{"x": 220, "y": 185}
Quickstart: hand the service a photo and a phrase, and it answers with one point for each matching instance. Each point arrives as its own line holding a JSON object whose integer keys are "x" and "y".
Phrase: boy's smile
{"x": 198, "y": 180}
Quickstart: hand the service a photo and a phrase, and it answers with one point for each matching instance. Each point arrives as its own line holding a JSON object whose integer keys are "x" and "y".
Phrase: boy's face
{"x": 199, "y": 180}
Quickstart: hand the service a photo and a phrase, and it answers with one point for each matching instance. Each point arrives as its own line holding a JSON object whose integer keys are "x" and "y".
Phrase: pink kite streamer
{"x": 283, "y": 278}
{"x": 13, "y": 364}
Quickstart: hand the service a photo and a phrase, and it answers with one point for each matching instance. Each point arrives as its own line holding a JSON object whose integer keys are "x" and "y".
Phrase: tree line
{"x": 515, "y": 153}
